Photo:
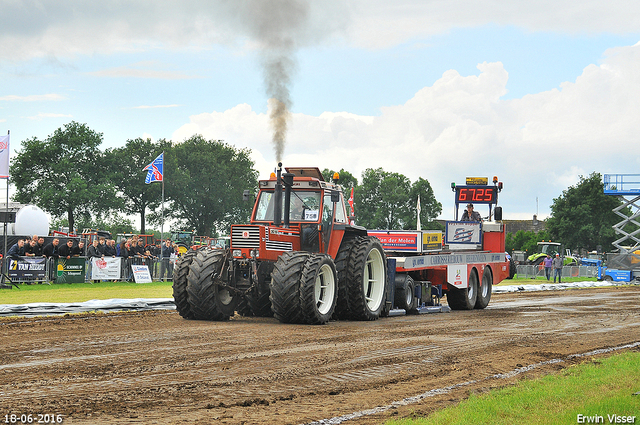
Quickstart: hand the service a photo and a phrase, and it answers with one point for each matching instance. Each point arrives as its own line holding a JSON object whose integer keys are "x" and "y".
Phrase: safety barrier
{"x": 82, "y": 269}
{"x": 531, "y": 272}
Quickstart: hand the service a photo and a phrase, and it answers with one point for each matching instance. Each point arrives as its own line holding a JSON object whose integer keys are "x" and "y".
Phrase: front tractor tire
{"x": 180, "y": 275}
{"x": 464, "y": 299}
{"x": 318, "y": 289}
{"x": 208, "y": 298}
{"x": 367, "y": 279}
{"x": 285, "y": 287}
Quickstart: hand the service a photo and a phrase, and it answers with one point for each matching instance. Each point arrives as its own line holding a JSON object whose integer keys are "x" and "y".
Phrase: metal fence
{"x": 525, "y": 272}
{"x": 51, "y": 270}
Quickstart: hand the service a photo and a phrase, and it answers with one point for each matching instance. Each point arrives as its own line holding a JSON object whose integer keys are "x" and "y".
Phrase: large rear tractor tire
{"x": 342, "y": 265}
{"x": 180, "y": 274}
{"x": 367, "y": 279}
{"x": 464, "y": 299}
{"x": 484, "y": 292}
{"x": 318, "y": 289}
{"x": 208, "y": 300}
{"x": 285, "y": 287}
{"x": 405, "y": 295}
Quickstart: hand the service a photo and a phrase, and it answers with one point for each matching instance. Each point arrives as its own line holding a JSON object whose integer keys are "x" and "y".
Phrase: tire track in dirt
{"x": 159, "y": 367}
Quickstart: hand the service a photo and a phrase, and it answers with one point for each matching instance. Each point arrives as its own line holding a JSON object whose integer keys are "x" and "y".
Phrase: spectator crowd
{"x": 134, "y": 249}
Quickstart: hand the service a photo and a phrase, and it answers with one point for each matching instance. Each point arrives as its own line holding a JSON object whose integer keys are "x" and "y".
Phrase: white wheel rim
{"x": 374, "y": 279}
{"x": 486, "y": 281}
{"x": 409, "y": 295}
{"x": 472, "y": 288}
{"x": 325, "y": 289}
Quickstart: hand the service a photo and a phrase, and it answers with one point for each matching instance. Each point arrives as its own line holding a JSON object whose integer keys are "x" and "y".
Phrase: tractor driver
{"x": 297, "y": 209}
{"x": 471, "y": 215}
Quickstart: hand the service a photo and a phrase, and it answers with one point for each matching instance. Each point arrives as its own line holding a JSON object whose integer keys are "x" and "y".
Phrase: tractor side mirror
{"x": 246, "y": 195}
{"x": 335, "y": 196}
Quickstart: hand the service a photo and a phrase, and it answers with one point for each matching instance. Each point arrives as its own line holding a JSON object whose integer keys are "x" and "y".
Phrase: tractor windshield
{"x": 304, "y": 206}
{"x": 549, "y": 249}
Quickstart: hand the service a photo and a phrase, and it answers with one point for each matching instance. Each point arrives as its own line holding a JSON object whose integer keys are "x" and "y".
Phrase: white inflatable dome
{"x": 31, "y": 220}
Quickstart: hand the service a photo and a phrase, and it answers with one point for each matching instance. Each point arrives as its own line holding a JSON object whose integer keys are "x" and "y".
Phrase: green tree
{"x": 347, "y": 180}
{"x": 204, "y": 180}
{"x": 63, "y": 174}
{"x": 525, "y": 240}
{"x": 430, "y": 208}
{"x": 387, "y": 200}
{"x": 582, "y": 217}
{"x": 125, "y": 170}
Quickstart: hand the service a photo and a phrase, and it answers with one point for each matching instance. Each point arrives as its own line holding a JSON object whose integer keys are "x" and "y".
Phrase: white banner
{"x": 4, "y": 157}
{"x": 108, "y": 268}
{"x": 463, "y": 232}
{"x": 141, "y": 274}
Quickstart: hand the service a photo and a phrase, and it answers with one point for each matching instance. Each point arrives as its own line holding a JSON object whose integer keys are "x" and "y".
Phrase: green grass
{"x": 539, "y": 280}
{"x": 598, "y": 387}
{"x": 79, "y": 292}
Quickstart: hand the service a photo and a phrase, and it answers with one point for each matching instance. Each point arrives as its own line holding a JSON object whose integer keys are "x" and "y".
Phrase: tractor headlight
{"x": 237, "y": 253}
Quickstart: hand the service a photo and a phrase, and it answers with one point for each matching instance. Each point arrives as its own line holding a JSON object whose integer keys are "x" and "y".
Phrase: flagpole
{"x": 6, "y": 210}
{"x": 162, "y": 218}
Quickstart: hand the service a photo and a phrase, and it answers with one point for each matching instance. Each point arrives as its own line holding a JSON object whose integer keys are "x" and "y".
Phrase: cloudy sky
{"x": 537, "y": 92}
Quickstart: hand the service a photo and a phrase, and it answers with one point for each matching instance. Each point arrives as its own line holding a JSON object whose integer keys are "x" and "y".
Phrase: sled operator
{"x": 471, "y": 215}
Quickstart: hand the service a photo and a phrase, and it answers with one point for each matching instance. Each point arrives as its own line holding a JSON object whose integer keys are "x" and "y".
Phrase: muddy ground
{"x": 155, "y": 367}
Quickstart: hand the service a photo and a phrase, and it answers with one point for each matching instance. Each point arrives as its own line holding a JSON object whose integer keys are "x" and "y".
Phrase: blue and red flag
{"x": 155, "y": 170}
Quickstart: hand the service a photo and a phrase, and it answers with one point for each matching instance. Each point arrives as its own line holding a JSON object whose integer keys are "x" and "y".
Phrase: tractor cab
{"x": 294, "y": 211}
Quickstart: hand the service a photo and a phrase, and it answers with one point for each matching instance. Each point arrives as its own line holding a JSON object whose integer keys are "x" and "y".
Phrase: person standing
{"x": 17, "y": 250}
{"x": 38, "y": 250}
{"x": 557, "y": 268}
{"x": 548, "y": 263}
{"x": 30, "y": 248}
{"x": 66, "y": 250}
{"x": 167, "y": 251}
{"x": 471, "y": 215}
{"x": 51, "y": 250}
{"x": 78, "y": 250}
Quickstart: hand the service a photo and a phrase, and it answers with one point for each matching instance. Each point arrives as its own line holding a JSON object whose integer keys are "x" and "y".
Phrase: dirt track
{"x": 155, "y": 367}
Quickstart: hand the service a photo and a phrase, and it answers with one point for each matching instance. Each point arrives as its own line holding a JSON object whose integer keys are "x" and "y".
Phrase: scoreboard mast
{"x": 477, "y": 191}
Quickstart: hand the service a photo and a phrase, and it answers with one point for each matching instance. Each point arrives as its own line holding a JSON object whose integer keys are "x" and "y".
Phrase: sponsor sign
{"x": 477, "y": 181}
{"x": 71, "y": 270}
{"x": 423, "y": 261}
{"x": 457, "y": 275}
{"x": 463, "y": 232}
{"x": 398, "y": 241}
{"x": 108, "y": 268}
{"x": 431, "y": 240}
{"x": 141, "y": 273}
{"x": 28, "y": 268}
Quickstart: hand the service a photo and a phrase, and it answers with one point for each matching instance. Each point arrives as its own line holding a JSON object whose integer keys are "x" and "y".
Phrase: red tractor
{"x": 298, "y": 259}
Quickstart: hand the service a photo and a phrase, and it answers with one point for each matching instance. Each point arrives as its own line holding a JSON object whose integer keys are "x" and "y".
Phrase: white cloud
{"x": 49, "y": 115}
{"x": 127, "y": 72}
{"x": 67, "y": 28}
{"x": 155, "y": 106}
{"x": 461, "y": 127}
{"x": 32, "y": 98}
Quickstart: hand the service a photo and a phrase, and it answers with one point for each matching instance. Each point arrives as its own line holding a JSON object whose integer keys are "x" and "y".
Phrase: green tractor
{"x": 551, "y": 248}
